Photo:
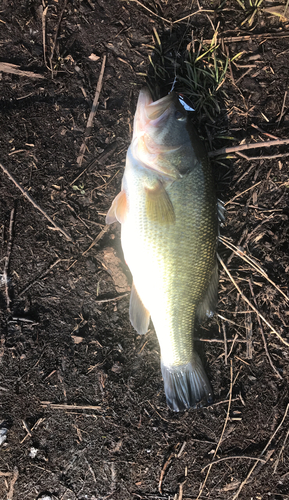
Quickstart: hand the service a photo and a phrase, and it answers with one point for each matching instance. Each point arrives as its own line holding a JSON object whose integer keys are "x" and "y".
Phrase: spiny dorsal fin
{"x": 159, "y": 207}
{"x": 139, "y": 316}
{"x": 118, "y": 209}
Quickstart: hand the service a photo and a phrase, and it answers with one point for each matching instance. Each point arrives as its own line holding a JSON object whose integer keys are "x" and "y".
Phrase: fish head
{"x": 160, "y": 133}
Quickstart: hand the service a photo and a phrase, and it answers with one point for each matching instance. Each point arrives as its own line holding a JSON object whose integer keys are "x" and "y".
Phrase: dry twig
{"x": 250, "y": 261}
{"x": 283, "y": 106}
{"x": 263, "y": 335}
{"x": 99, "y": 236}
{"x": 28, "y": 197}
{"x": 14, "y": 68}
{"x": 114, "y": 299}
{"x": 55, "y": 406}
{"x": 261, "y": 454}
{"x": 225, "y": 343}
{"x": 249, "y": 303}
{"x": 12, "y": 483}
{"x": 263, "y": 157}
{"x": 40, "y": 277}
{"x": 92, "y": 113}
{"x": 280, "y": 453}
{"x": 200, "y": 11}
{"x": 7, "y": 260}
{"x": 246, "y": 38}
{"x": 44, "y": 14}
{"x": 243, "y": 192}
{"x": 163, "y": 471}
{"x": 56, "y": 33}
{"x": 249, "y": 345}
{"x": 245, "y": 457}
{"x": 246, "y": 147}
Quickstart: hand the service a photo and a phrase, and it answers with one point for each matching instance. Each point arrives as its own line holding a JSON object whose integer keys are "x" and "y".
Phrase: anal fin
{"x": 186, "y": 386}
{"x": 139, "y": 316}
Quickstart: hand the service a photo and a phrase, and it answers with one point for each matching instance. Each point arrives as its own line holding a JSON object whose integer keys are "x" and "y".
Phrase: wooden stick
{"x": 44, "y": 35}
{"x": 243, "y": 192}
{"x": 7, "y": 260}
{"x": 248, "y": 323}
{"x": 200, "y": 11}
{"x": 39, "y": 278}
{"x": 245, "y": 38}
{"x": 12, "y": 483}
{"x": 225, "y": 343}
{"x": 55, "y": 406}
{"x": 246, "y": 147}
{"x": 282, "y": 110}
{"x": 265, "y": 133}
{"x": 167, "y": 463}
{"x": 233, "y": 457}
{"x": 98, "y": 237}
{"x": 56, "y": 33}
{"x": 28, "y": 197}
{"x": 280, "y": 453}
{"x": 265, "y": 157}
{"x": 114, "y": 299}
{"x": 92, "y": 112}
{"x": 14, "y": 68}
{"x": 249, "y": 303}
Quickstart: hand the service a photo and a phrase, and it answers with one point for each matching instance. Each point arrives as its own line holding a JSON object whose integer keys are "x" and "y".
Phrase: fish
{"x": 168, "y": 212}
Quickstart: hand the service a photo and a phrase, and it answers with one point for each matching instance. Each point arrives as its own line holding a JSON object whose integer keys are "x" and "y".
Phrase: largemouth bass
{"x": 167, "y": 208}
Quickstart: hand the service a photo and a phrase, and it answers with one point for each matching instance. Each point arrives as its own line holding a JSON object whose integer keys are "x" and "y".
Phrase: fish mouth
{"x": 149, "y": 112}
{"x": 157, "y": 109}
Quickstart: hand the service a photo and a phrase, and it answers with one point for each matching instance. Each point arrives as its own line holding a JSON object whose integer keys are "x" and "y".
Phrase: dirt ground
{"x": 82, "y": 409}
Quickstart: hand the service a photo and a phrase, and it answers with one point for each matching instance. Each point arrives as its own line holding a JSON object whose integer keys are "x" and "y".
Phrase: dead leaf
{"x": 76, "y": 339}
{"x": 93, "y": 57}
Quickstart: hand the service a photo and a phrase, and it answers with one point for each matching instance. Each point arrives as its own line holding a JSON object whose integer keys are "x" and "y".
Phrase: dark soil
{"x": 65, "y": 333}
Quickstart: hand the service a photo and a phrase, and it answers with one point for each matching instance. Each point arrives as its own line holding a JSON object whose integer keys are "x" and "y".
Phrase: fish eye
{"x": 180, "y": 116}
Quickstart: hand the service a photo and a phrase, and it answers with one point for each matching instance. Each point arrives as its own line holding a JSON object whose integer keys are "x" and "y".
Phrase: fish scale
{"x": 179, "y": 273}
{"x": 169, "y": 232}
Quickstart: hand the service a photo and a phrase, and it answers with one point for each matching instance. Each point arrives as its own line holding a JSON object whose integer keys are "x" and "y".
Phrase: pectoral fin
{"x": 118, "y": 209}
{"x": 159, "y": 207}
{"x": 139, "y": 316}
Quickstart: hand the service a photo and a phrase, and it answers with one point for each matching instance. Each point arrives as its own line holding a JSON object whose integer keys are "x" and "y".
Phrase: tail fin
{"x": 186, "y": 385}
